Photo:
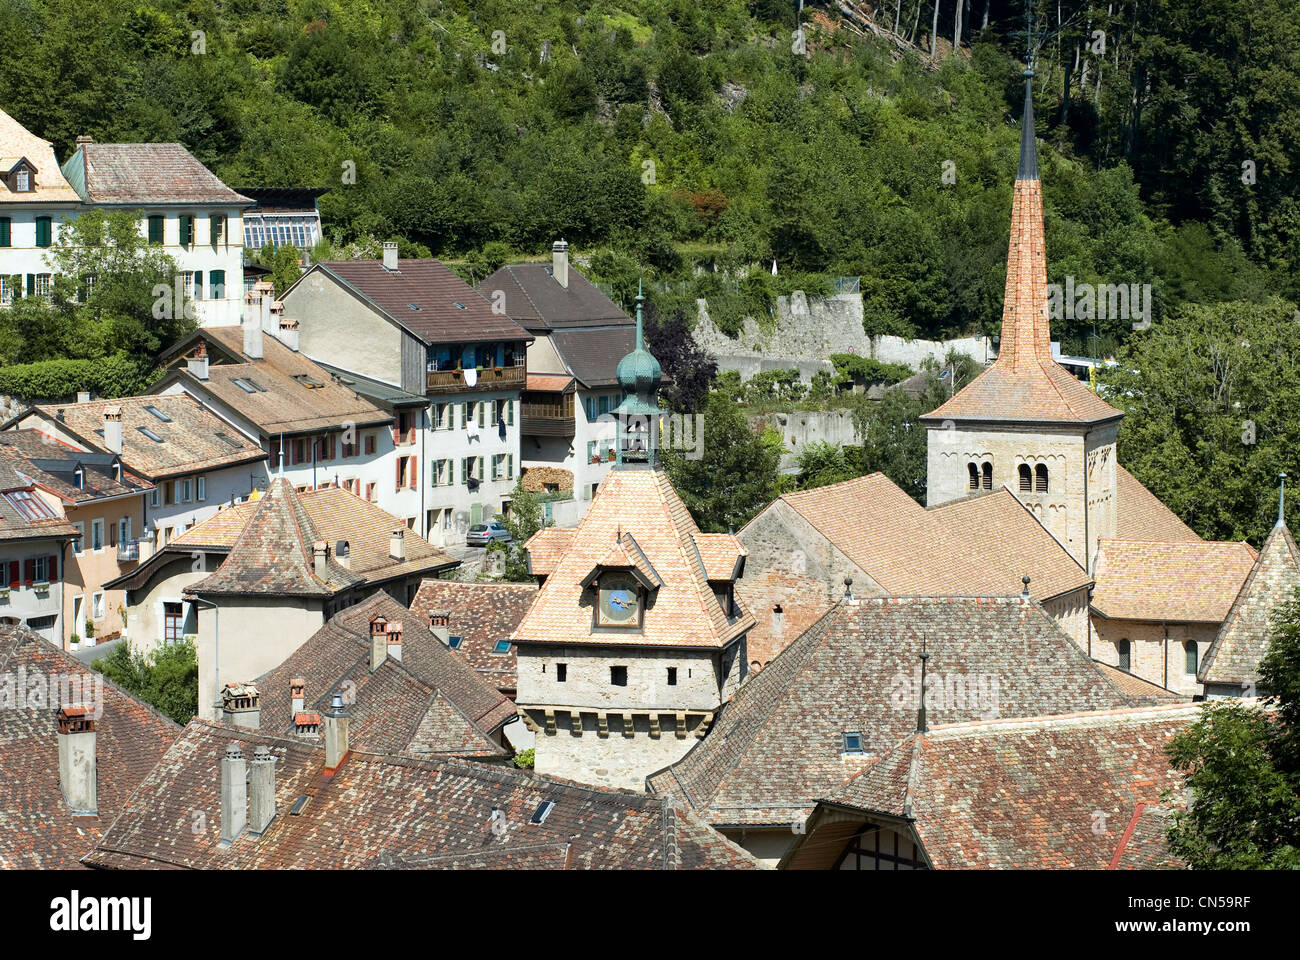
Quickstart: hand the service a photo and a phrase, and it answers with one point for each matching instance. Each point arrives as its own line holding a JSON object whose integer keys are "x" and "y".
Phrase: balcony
{"x": 128, "y": 552}
{"x": 547, "y": 417}
{"x": 489, "y": 378}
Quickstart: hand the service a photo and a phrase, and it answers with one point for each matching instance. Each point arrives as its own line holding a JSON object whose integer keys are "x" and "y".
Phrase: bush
{"x": 116, "y": 376}
{"x": 524, "y": 759}
{"x": 166, "y": 678}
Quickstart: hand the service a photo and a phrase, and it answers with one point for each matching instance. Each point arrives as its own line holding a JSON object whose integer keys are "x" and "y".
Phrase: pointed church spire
{"x": 1028, "y": 169}
{"x": 1281, "y": 498}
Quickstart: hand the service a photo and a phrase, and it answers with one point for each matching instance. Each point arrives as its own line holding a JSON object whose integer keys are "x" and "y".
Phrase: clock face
{"x": 619, "y": 600}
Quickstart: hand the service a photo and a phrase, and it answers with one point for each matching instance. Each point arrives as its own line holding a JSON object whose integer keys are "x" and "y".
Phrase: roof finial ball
{"x": 1024, "y": 593}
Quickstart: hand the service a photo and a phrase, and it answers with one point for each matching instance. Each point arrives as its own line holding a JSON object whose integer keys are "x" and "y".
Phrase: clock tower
{"x": 635, "y": 640}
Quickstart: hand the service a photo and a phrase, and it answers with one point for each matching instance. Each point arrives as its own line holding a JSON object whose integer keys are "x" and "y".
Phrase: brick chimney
{"x": 560, "y": 263}
{"x": 320, "y": 553}
{"x": 78, "y": 767}
{"x": 336, "y": 733}
{"x": 395, "y": 640}
{"x": 397, "y": 544}
{"x": 440, "y": 625}
{"x": 197, "y": 364}
{"x": 261, "y": 791}
{"x": 234, "y": 794}
{"x": 378, "y": 642}
{"x": 240, "y": 705}
{"x": 297, "y": 694}
{"x": 390, "y": 257}
{"x": 113, "y": 430}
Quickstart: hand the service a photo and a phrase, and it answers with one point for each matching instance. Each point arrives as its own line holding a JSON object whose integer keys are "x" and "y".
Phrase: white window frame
{"x": 44, "y": 284}
{"x": 98, "y": 608}
{"x": 23, "y": 181}
{"x": 124, "y": 530}
{"x": 80, "y": 527}
{"x": 201, "y": 489}
{"x": 97, "y": 535}
{"x": 187, "y": 490}
{"x": 154, "y": 496}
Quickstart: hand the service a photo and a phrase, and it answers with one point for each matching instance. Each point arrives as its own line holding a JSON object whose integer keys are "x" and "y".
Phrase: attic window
{"x": 454, "y": 642}
{"x": 542, "y": 812}
{"x": 249, "y": 385}
{"x": 229, "y": 440}
{"x": 309, "y": 382}
{"x": 23, "y": 181}
{"x": 415, "y": 306}
{"x": 150, "y": 434}
{"x": 853, "y": 743}
{"x": 159, "y": 414}
{"x": 502, "y": 646}
{"x": 79, "y": 478}
{"x": 459, "y": 306}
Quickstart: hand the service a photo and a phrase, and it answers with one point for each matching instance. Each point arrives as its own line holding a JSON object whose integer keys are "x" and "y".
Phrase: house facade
{"x": 34, "y": 540}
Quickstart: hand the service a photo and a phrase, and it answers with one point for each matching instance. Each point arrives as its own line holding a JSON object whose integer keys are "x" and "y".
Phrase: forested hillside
{"x": 658, "y": 135}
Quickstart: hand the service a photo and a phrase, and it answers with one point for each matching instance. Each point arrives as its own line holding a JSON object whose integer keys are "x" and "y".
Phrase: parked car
{"x": 481, "y": 534}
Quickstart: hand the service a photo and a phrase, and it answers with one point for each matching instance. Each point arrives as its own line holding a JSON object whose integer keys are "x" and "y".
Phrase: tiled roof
{"x": 546, "y": 548}
{"x": 429, "y": 703}
{"x": 379, "y": 811}
{"x": 592, "y": 354}
{"x": 685, "y": 611}
{"x": 778, "y": 745}
{"x": 1173, "y": 581}
{"x": 427, "y": 299}
{"x": 720, "y": 552}
{"x": 191, "y": 439}
{"x": 480, "y": 614}
{"x": 535, "y": 298}
{"x": 49, "y": 186}
{"x": 24, "y": 512}
{"x": 1024, "y": 384}
{"x": 272, "y": 551}
{"x": 36, "y": 829}
{"x": 1244, "y": 637}
{"x": 1141, "y": 515}
{"x": 1143, "y": 692}
{"x": 942, "y": 551}
{"x": 283, "y": 399}
{"x": 152, "y": 173}
{"x": 1050, "y": 792}
{"x": 549, "y": 382}
{"x": 52, "y": 465}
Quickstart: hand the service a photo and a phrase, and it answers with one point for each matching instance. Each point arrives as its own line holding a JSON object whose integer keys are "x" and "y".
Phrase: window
{"x": 1040, "y": 478}
{"x": 853, "y": 742}
{"x": 370, "y": 443}
{"x": 97, "y": 534}
{"x": 23, "y": 181}
{"x": 150, "y": 434}
{"x": 42, "y": 284}
{"x": 542, "y": 812}
{"x": 1026, "y": 478}
{"x": 79, "y": 541}
{"x": 618, "y": 676}
{"x": 8, "y": 289}
{"x": 44, "y": 232}
{"x": 79, "y": 478}
{"x": 173, "y": 623}
{"x": 1190, "y": 656}
{"x": 202, "y": 484}
{"x": 216, "y": 229}
{"x": 1125, "y": 655}
{"x": 186, "y": 222}
{"x": 454, "y": 642}
{"x": 158, "y": 413}
{"x": 154, "y": 497}
{"x": 561, "y": 672}
{"x": 97, "y": 606}
{"x": 502, "y": 646}
{"x": 217, "y": 284}
{"x": 124, "y": 530}
{"x": 974, "y": 476}
{"x": 672, "y": 676}
{"x": 987, "y": 476}
{"x": 187, "y": 491}
{"x": 5, "y": 238}
{"x": 156, "y": 228}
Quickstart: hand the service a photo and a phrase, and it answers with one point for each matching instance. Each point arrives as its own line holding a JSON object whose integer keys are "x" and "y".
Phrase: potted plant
{"x": 90, "y": 629}
{"x": 75, "y": 641}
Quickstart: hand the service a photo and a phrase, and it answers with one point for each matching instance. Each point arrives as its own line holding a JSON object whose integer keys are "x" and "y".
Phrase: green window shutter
{"x": 451, "y": 473}
{"x": 187, "y": 229}
{"x": 433, "y": 473}
{"x": 482, "y": 413}
{"x": 43, "y": 232}
{"x": 217, "y": 284}
{"x": 4, "y": 232}
{"x": 510, "y": 413}
{"x": 31, "y": 284}
{"x": 510, "y": 466}
{"x": 198, "y": 284}
{"x": 216, "y": 228}
{"x": 464, "y": 414}
{"x": 464, "y": 470}
{"x": 480, "y": 468}
{"x": 156, "y": 229}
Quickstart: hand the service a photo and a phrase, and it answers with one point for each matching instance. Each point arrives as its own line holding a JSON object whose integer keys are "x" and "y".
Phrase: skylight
{"x": 309, "y": 382}
{"x": 415, "y": 306}
{"x": 150, "y": 434}
{"x": 853, "y": 743}
{"x": 459, "y": 306}
{"x": 245, "y": 386}
{"x": 230, "y": 440}
{"x": 453, "y": 642}
{"x": 159, "y": 414}
{"x": 542, "y": 812}
{"x": 30, "y": 506}
{"x": 503, "y": 646}
{"x": 249, "y": 385}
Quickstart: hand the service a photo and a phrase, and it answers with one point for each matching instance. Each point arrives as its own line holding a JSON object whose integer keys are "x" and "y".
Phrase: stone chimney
{"x": 253, "y": 325}
{"x": 390, "y": 257}
{"x": 240, "y": 705}
{"x": 560, "y": 263}
{"x": 83, "y": 396}
{"x": 297, "y": 694}
{"x": 320, "y": 553}
{"x": 397, "y": 544}
{"x": 84, "y": 139}
{"x": 440, "y": 625}
{"x": 234, "y": 794}
{"x": 197, "y": 364}
{"x": 336, "y": 733}
{"x": 395, "y": 640}
{"x": 378, "y": 642}
{"x": 261, "y": 791}
{"x": 78, "y": 767}
{"x": 113, "y": 430}
{"x": 289, "y": 333}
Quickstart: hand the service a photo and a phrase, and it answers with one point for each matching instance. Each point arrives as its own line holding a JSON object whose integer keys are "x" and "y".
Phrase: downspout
{"x": 423, "y": 466}
{"x": 1166, "y": 683}
{"x": 216, "y": 643}
{"x": 1087, "y": 543}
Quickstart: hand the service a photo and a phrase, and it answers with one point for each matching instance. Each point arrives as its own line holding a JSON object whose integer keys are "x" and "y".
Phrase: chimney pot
{"x": 261, "y": 787}
{"x": 113, "y": 430}
{"x": 395, "y": 640}
{"x": 336, "y": 733}
{"x": 560, "y": 263}
{"x": 397, "y": 544}
{"x": 234, "y": 794}
{"x": 289, "y": 333}
{"x": 390, "y": 256}
{"x": 241, "y": 705}
{"x": 197, "y": 364}
{"x": 78, "y": 769}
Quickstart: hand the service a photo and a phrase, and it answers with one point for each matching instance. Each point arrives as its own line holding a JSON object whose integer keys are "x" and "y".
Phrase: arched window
{"x": 974, "y": 476}
{"x": 1040, "y": 478}
{"x": 1026, "y": 479}
{"x": 1125, "y": 657}
{"x": 988, "y": 476}
{"x": 1190, "y": 653}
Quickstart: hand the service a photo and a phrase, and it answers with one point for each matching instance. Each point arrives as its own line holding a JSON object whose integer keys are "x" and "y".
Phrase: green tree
{"x": 526, "y": 517}
{"x": 167, "y": 677}
{"x": 1242, "y": 766}
{"x": 821, "y": 463}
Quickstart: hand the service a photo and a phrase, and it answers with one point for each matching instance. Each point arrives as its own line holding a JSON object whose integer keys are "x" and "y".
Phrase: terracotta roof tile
{"x": 152, "y": 173}
{"x": 1141, "y": 515}
{"x": 49, "y": 184}
{"x": 480, "y": 614}
{"x": 1174, "y": 581}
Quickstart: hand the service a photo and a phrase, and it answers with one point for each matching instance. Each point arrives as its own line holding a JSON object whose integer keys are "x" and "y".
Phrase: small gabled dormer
{"x": 20, "y": 175}
{"x": 623, "y": 582}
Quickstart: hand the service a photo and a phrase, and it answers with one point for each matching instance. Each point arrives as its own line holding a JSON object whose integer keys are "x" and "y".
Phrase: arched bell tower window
{"x": 1125, "y": 655}
{"x": 988, "y": 476}
{"x": 1040, "y": 478}
{"x": 1026, "y": 478}
{"x": 974, "y": 475}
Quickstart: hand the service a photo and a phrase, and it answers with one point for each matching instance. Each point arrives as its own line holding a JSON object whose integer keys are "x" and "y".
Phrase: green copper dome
{"x": 639, "y": 371}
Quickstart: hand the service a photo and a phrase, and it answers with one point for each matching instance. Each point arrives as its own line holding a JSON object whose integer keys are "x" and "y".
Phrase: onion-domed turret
{"x": 639, "y": 374}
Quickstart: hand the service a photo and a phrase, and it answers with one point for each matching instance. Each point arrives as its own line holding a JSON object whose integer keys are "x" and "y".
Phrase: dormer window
{"x": 23, "y": 181}
{"x": 79, "y": 479}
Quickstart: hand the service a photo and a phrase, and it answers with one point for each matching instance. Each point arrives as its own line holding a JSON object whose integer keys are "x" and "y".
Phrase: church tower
{"x": 635, "y": 640}
{"x": 1025, "y": 422}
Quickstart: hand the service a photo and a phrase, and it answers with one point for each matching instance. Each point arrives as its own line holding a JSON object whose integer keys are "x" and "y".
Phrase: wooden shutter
{"x": 510, "y": 413}
{"x": 482, "y": 413}
{"x": 480, "y": 468}
{"x": 198, "y": 284}
{"x": 510, "y": 466}
{"x": 29, "y": 571}
{"x": 217, "y": 284}
{"x": 14, "y": 575}
{"x": 31, "y": 284}
{"x": 54, "y": 567}
{"x": 4, "y": 232}
{"x": 156, "y": 229}
{"x": 187, "y": 229}
{"x": 43, "y": 231}
{"x": 398, "y": 482}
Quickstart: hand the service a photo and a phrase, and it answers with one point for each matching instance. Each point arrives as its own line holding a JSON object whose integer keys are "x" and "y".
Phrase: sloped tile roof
{"x": 152, "y": 173}
{"x": 1143, "y": 692}
{"x": 271, "y": 543}
{"x": 430, "y": 702}
{"x": 52, "y": 465}
{"x": 49, "y": 184}
{"x": 1170, "y": 581}
{"x": 685, "y": 610}
{"x": 1030, "y": 794}
{"x": 422, "y": 295}
{"x": 36, "y": 829}
{"x": 1024, "y": 384}
{"x": 778, "y": 745}
{"x": 37, "y": 519}
{"x": 379, "y": 811}
{"x": 720, "y": 551}
{"x": 1246, "y": 632}
{"x": 193, "y": 438}
{"x": 535, "y": 298}
{"x": 547, "y": 547}
{"x": 280, "y": 402}
{"x": 1141, "y": 516}
{"x": 480, "y": 614}
{"x": 592, "y": 354}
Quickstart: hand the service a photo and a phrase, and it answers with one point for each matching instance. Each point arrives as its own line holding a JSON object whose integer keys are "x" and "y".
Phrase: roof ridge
{"x": 1083, "y": 718}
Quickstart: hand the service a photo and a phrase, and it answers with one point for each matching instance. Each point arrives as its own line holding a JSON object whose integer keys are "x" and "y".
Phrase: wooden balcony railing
{"x": 453, "y": 381}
